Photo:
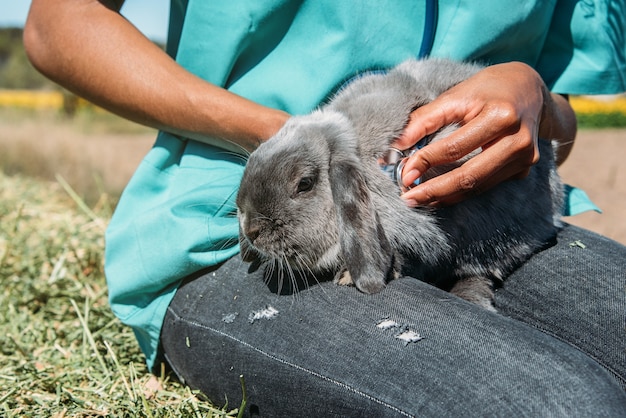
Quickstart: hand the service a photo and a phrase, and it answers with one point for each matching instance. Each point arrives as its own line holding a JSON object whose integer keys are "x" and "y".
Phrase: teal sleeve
{"x": 585, "y": 50}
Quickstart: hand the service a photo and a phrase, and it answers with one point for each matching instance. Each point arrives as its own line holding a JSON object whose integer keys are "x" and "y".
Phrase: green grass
{"x": 606, "y": 120}
{"x": 62, "y": 352}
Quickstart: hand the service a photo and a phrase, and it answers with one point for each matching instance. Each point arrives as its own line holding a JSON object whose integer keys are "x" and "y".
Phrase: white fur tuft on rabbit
{"x": 313, "y": 197}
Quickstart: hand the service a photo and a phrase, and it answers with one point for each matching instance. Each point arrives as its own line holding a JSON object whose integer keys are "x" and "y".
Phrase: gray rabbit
{"x": 313, "y": 198}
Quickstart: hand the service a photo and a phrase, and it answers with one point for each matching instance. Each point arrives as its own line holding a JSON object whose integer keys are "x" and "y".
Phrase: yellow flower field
{"x": 36, "y": 99}
{"x": 31, "y": 99}
{"x": 589, "y": 105}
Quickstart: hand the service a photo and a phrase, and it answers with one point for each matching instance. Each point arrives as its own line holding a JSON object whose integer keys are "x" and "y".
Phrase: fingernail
{"x": 409, "y": 178}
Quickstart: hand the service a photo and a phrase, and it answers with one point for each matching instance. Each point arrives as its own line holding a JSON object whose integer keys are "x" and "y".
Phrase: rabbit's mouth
{"x": 296, "y": 257}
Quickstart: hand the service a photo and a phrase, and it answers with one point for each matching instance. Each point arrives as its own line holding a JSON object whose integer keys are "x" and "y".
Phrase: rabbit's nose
{"x": 252, "y": 232}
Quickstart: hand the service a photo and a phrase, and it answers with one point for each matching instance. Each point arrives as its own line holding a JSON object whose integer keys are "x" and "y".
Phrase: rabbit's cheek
{"x": 330, "y": 258}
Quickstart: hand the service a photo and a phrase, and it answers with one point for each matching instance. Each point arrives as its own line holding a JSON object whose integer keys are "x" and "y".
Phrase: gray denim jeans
{"x": 557, "y": 346}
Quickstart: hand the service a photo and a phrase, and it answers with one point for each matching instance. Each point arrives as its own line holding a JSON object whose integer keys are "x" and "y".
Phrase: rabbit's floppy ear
{"x": 365, "y": 250}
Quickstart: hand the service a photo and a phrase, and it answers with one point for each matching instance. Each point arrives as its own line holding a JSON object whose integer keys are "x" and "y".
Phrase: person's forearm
{"x": 558, "y": 122}
{"x": 94, "y": 52}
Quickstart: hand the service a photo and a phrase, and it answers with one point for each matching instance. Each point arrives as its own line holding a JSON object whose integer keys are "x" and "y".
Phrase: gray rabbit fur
{"x": 313, "y": 197}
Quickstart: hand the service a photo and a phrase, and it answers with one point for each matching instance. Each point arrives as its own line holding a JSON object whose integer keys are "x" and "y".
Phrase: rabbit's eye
{"x": 306, "y": 184}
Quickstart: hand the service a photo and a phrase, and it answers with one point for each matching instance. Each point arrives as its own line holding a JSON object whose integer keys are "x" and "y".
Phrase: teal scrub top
{"x": 178, "y": 215}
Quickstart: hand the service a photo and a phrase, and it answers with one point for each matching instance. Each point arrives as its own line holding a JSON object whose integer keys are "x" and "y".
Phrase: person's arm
{"x": 504, "y": 109}
{"x": 90, "y": 49}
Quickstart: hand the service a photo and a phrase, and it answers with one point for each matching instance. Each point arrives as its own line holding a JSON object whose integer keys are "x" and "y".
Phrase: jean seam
{"x": 295, "y": 366}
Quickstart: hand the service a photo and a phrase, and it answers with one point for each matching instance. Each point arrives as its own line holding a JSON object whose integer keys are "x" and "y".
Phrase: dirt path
{"x": 597, "y": 166}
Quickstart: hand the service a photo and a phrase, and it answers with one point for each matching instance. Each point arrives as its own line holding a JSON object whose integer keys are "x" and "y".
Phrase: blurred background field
{"x": 63, "y": 165}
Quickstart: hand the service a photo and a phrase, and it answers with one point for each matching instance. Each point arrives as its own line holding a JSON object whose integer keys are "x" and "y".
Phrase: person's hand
{"x": 499, "y": 110}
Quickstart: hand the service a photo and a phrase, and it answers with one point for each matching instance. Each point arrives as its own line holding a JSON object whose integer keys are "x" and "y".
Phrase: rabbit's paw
{"x": 478, "y": 290}
{"x": 370, "y": 285}
{"x": 343, "y": 278}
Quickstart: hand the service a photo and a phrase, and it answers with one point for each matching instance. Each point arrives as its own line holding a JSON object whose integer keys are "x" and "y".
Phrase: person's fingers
{"x": 480, "y": 173}
{"x": 454, "y": 187}
{"x": 428, "y": 119}
{"x": 492, "y": 124}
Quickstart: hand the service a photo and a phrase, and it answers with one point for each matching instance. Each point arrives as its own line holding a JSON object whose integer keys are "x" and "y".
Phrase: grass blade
{"x": 76, "y": 198}
{"x": 90, "y": 339}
